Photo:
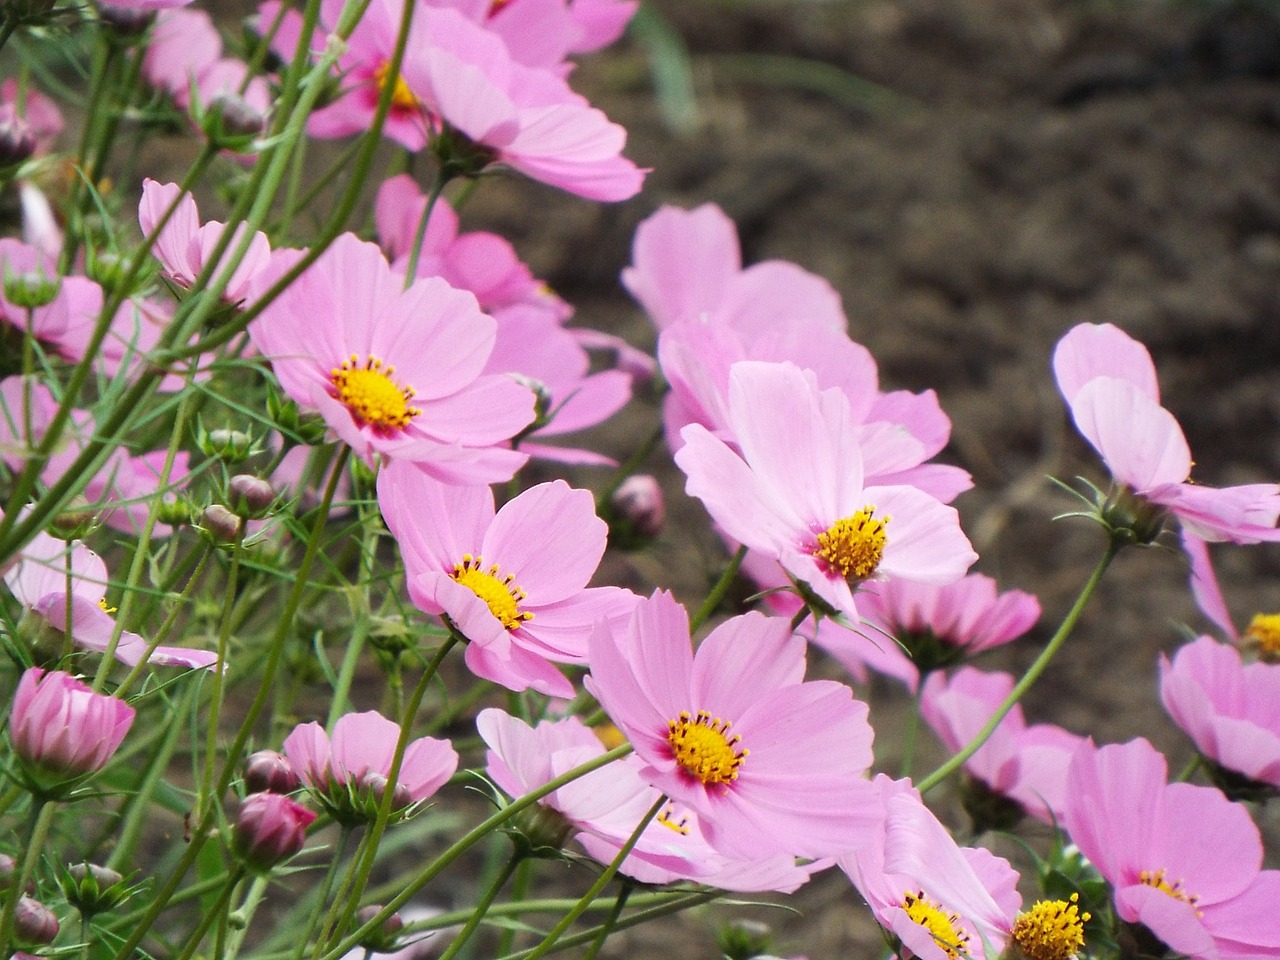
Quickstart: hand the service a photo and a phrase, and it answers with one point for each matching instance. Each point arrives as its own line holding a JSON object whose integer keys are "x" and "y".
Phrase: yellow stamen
{"x": 402, "y": 97}
{"x": 498, "y": 592}
{"x": 702, "y": 746}
{"x": 1051, "y": 929}
{"x": 854, "y": 546}
{"x": 668, "y": 819}
{"x": 106, "y": 608}
{"x": 1263, "y": 636}
{"x": 370, "y": 393}
{"x": 945, "y": 927}
{"x": 1156, "y": 879}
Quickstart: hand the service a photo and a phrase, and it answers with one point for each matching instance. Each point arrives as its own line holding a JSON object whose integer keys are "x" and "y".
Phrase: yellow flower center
{"x": 401, "y": 97}
{"x": 498, "y": 592}
{"x": 1263, "y": 636}
{"x": 854, "y": 546}
{"x": 1051, "y": 929}
{"x": 1156, "y": 879}
{"x": 703, "y": 747}
{"x": 370, "y": 393}
{"x": 945, "y": 927}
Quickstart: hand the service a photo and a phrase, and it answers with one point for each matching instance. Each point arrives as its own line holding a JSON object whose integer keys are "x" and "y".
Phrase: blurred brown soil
{"x": 1022, "y": 166}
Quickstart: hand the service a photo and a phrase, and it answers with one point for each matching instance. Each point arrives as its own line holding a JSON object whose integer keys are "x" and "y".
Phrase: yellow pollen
{"x": 1263, "y": 636}
{"x": 106, "y": 608}
{"x": 945, "y": 927}
{"x": 402, "y": 97}
{"x": 703, "y": 747}
{"x": 1051, "y": 929}
{"x": 854, "y": 546}
{"x": 1156, "y": 879}
{"x": 498, "y": 592}
{"x": 370, "y": 393}
{"x": 668, "y": 819}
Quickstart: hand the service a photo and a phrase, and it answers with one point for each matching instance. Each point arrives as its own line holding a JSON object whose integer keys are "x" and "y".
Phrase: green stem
{"x": 211, "y": 916}
{"x": 718, "y": 591}
{"x": 340, "y": 851}
{"x": 41, "y": 821}
{"x": 468, "y": 840}
{"x": 415, "y": 251}
{"x": 238, "y": 920}
{"x": 1031, "y": 676}
{"x": 1190, "y": 769}
{"x": 910, "y": 734}
{"x": 482, "y": 906}
{"x": 567, "y": 921}
{"x": 519, "y": 891}
{"x": 220, "y": 669}
{"x": 611, "y": 920}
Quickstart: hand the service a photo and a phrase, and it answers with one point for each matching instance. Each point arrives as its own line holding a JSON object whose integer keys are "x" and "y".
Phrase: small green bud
{"x": 382, "y": 939}
{"x": 31, "y": 288}
{"x": 92, "y": 889}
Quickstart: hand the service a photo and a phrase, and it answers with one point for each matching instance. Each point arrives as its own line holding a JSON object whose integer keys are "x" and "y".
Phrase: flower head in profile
{"x": 796, "y": 494}
{"x": 349, "y": 772}
{"x": 939, "y": 900}
{"x": 61, "y": 728}
{"x": 1109, "y": 382}
{"x": 1227, "y": 707}
{"x": 395, "y": 372}
{"x": 512, "y": 581}
{"x": 1023, "y": 764}
{"x": 40, "y": 582}
{"x": 1262, "y": 635}
{"x": 1183, "y": 860}
{"x": 770, "y": 763}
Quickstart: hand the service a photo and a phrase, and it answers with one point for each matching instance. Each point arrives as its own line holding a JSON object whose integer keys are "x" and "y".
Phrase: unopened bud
{"x": 76, "y": 521}
{"x": 175, "y": 513}
{"x": 374, "y": 785}
{"x": 232, "y": 446}
{"x": 381, "y": 939}
{"x": 93, "y": 889}
{"x": 249, "y": 496}
{"x": 33, "y": 922}
{"x": 17, "y": 142}
{"x": 107, "y": 269}
{"x": 126, "y": 22}
{"x": 269, "y": 829}
{"x": 220, "y": 523}
{"x": 638, "y": 506}
{"x": 30, "y": 288}
{"x": 267, "y": 771}
{"x": 745, "y": 939}
{"x": 230, "y": 122}
{"x": 541, "y": 400}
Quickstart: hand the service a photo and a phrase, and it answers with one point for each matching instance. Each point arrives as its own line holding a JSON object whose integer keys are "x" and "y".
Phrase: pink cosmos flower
{"x": 39, "y": 582}
{"x": 1027, "y": 764}
{"x": 771, "y": 764}
{"x": 60, "y": 726}
{"x": 796, "y": 493}
{"x": 1109, "y": 383}
{"x": 1261, "y": 637}
{"x": 349, "y": 772}
{"x": 1229, "y": 709}
{"x": 184, "y": 244}
{"x": 604, "y": 807}
{"x": 71, "y": 311}
{"x": 269, "y": 829}
{"x": 185, "y": 51}
{"x": 40, "y": 115}
{"x": 1183, "y": 860}
{"x": 898, "y": 431}
{"x": 686, "y": 264}
{"x": 940, "y": 900}
{"x": 395, "y": 372}
{"x": 925, "y": 626}
{"x": 514, "y": 582}
{"x": 601, "y": 22}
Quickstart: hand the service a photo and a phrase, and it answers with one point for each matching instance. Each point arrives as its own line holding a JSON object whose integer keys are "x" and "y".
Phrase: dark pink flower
{"x": 269, "y": 829}
{"x": 60, "y": 726}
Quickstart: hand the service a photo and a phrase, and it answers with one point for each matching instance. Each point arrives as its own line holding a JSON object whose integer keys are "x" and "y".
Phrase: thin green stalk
{"x": 482, "y": 906}
{"x": 326, "y": 885}
{"x": 608, "y": 926}
{"x": 239, "y": 919}
{"x": 388, "y": 794}
{"x": 219, "y": 669}
{"x": 468, "y": 840}
{"x": 415, "y": 251}
{"x": 1031, "y": 676}
{"x": 339, "y": 703}
{"x": 601, "y": 882}
{"x": 519, "y": 891}
{"x": 1190, "y": 769}
{"x": 206, "y": 552}
{"x": 718, "y": 591}
{"x": 274, "y": 655}
{"x": 330, "y": 927}
{"x": 211, "y": 916}
{"x": 38, "y": 833}
{"x": 912, "y": 731}
{"x": 9, "y": 25}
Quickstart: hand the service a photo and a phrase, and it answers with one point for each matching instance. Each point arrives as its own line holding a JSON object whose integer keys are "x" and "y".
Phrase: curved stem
{"x": 339, "y": 851}
{"x": 415, "y": 251}
{"x": 611, "y": 920}
{"x": 482, "y": 906}
{"x": 718, "y": 591}
{"x": 549, "y": 941}
{"x": 41, "y": 821}
{"x": 211, "y": 916}
{"x": 1031, "y": 676}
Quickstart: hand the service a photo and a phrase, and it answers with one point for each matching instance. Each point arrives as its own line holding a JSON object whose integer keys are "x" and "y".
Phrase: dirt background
{"x": 977, "y": 177}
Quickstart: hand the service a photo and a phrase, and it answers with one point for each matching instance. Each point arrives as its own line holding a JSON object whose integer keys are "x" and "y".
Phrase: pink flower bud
{"x": 381, "y": 939}
{"x": 269, "y": 772}
{"x": 60, "y": 726}
{"x": 639, "y": 505}
{"x": 33, "y": 922}
{"x": 249, "y": 496}
{"x": 269, "y": 828}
